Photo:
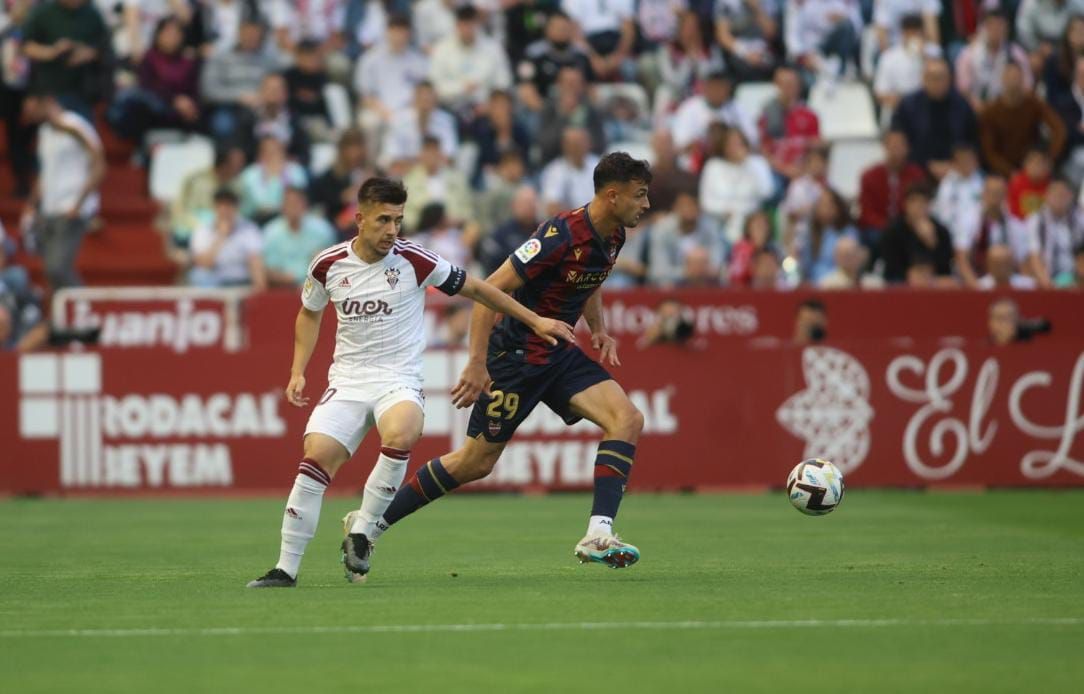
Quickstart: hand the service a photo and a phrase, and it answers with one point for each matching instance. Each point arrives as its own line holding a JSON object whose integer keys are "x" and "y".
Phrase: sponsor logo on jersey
{"x": 392, "y": 275}
{"x": 365, "y": 309}
{"x": 528, "y": 250}
{"x": 592, "y": 279}
{"x": 345, "y": 282}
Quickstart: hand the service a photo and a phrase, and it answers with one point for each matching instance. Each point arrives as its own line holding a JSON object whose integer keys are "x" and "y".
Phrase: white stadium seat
{"x": 321, "y": 157}
{"x": 752, "y": 97}
{"x": 845, "y": 110}
{"x": 338, "y": 106}
{"x": 849, "y": 158}
{"x": 173, "y": 162}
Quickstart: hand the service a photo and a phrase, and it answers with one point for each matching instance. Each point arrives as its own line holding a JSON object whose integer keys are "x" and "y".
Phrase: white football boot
{"x": 608, "y": 550}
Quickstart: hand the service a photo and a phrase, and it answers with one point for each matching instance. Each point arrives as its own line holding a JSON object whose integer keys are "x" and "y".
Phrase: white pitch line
{"x": 551, "y": 626}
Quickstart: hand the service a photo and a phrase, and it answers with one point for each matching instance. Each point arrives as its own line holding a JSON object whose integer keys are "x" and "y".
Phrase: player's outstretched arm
{"x": 495, "y": 298}
{"x": 306, "y": 330}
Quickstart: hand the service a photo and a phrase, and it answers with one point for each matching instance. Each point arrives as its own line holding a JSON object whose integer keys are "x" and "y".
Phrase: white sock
{"x": 600, "y": 525}
{"x": 302, "y": 515}
{"x": 384, "y": 481}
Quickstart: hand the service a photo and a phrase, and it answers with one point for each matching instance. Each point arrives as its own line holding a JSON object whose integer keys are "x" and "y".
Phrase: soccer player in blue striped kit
{"x": 557, "y": 273}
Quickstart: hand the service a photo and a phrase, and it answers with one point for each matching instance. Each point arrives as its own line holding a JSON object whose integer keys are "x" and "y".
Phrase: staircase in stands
{"x": 126, "y": 250}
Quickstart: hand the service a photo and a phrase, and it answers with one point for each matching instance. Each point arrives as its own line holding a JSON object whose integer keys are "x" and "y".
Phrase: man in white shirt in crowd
{"x": 822, "y": 35}
{"x": 65, "y": 197}
{"x": 899, "y": 69}
{"x": 959, "y": 195}
{"x": 994, "y": 225}
{"x": 403, "y": 140}
{"x": 889, "y": 16}
{"x": 1054, "y": 231}
{"x": 568, "y": 181}
{"x": 714, "y": 105}
{"x": 228, "y": 250}
{"x": 386, "y": 76}
{"x": 608, "y": 28}
{"x": 1001, "y": 271}
{"x": 467, "y": 65}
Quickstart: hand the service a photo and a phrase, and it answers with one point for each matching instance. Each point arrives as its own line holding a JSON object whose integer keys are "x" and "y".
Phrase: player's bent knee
{"x": 328, "y": 453}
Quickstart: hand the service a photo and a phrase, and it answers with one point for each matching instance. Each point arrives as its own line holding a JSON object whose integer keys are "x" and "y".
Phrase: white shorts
{"x": 347, "y": 416}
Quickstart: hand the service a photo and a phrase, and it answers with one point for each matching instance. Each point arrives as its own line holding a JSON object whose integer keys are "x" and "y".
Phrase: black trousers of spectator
{"x": 20, "y": 138}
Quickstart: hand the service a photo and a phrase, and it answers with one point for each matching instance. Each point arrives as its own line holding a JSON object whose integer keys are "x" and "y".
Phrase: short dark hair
{"x": 382, "y": 190}
{"x": 466, "y": 13}
{"x": 399, "y": 20}
{"x": 620, "y": 167}
{"x": 226, "y": 195}
{"x": 308, "y": 46}
{"x": 911, "y": 22}
{"x": 814, "y": 305}
{"x": 297, "y": 190}
{"x": 920, "y": 188}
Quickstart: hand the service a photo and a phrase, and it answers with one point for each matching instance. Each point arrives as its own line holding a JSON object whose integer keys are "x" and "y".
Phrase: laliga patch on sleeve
{"x": 306, "y": 291}
{"x": 528, "y": 250}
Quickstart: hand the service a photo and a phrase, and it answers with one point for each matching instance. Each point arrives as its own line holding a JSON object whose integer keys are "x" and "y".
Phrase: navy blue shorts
{"x": 519, "y": 386}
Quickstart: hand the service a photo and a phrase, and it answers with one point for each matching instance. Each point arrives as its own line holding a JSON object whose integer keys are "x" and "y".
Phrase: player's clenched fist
{"x": 294, "y": 390}
{"x": 607, "y": 347}
{"x": 552, "y": 330}
{"x": 472, "y": 382}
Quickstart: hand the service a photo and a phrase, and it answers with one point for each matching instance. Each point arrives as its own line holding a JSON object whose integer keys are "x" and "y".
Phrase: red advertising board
{"x": 738, "y": 414}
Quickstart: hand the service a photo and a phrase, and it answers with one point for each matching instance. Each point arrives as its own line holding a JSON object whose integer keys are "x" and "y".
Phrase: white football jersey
{"x": 380, "y": 307}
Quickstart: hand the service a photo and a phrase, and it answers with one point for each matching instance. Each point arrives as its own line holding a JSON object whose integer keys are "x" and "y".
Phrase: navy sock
{"x": 612, "y": 467}
{"x": 429, "y": 483}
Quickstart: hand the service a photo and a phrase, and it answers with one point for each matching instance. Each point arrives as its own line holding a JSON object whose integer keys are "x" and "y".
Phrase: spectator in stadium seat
{"x": 882, "y": 187}
{"x": 493, "y": 203}
{"x": 686, "y": 60}
{"x": 668, "y": 180}
{"x": 545, "y": 58}
{"x": 273, "y": 117}
{"x": 568, "y": 107}
{"x": 230, "y": 81}
{"x": 1076, "y": 279}
{"x": 291, "y": 240}
{"x": 935, "y": 119}
{"x": 1014, "y": 123}
{"x": 661, "y": 252}
{"x": 495, "y": 131}
{"x": 766, "y": 271}
{"x": 433, "y": 180}
{"x": 195, "y": 202}
{"x": 142, "y": 20}
{"x": 787, "y": 126}
{"x": 1071, "y": 109}
{"x": 403, "y": 140}
{"x": 1001, "y": 273}
{"x": 337, "y": 188}
{"x": 714, "y": 104}
{"x": 823, "y": 35}
{"x": 568, "y": 181}
{"x": 467, "y": 65}
{"x": 994, "y": 226}
{"x": 319, "y": 21}
{"x": 305, "y": 82}
{"x": 386, "y": 77}
{"x": 735, "y": 182}
{"x": 1027, "y": 187}
{"x": 65, "y": 198}
{"x": 756, "y": 236}
{"x": 698, "y": 272}
{"x": 980, "y": 66}
{"x": 264, "y": 182}
{"x": 657, "y": 22}
{"x": 817, "y": 239}
{"x": 747, "y": 31}
{"x": 1059, "y": 68}
{"x": 899, "y": 68}
{"x": 623, "y": 121}
{"x": 1054, "y": 233}
{"x": 167, "y": 95}
{"x": 220, "y": 21}
{"x": 227, "y": 251}
{"x": 804, "y": 191}
{"x": 442, "y": 236}
{"x": 889, "y": 17}
{"x": 14, "y": 76}
{"x": 609, "y": 30}
{"x": 22, "y": 323}
{"x": 915, "y": 238}
{"x": 850, "y": 258}
{"x": 495, "y": 247}
{"x": 1040, "y": 23}
{"x": 68, "y": 44}
{"x": 434, "y": 20}
{"x": 959, "y": 194}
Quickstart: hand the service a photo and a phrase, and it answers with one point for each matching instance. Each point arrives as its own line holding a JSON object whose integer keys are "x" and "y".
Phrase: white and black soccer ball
{"x": 815, "y": 487}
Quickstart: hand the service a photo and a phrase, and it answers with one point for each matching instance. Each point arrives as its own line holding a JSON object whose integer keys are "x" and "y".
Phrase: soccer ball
{"x": 815, "y": 487}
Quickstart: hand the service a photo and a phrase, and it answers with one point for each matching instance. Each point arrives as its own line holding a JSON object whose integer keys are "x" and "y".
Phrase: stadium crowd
{"x": 494, "y": 114}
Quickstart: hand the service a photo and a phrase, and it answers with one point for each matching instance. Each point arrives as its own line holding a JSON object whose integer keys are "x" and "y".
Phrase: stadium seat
{"x": 637, "y": 150}
{"x": 172, "y": 163}
{"x": 338, "y": 106}
{"x": 845, "y": 110}
{"x": 321, "y": 157}
{"x": 849, "y": 158}
{"x": 630, "y": 90}
{"x": 752, "y": 97}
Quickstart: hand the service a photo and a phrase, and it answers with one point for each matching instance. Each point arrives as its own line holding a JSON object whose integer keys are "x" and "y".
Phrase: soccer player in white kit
{"x": 377, "y": 283}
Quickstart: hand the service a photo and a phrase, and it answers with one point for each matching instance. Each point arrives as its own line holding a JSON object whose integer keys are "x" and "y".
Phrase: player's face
{"x": 630, "y": 202}
{"x": 378, "y": 226}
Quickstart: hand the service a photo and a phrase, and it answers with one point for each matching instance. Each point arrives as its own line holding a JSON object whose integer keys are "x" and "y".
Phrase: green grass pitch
{"x": 894, "y": 592}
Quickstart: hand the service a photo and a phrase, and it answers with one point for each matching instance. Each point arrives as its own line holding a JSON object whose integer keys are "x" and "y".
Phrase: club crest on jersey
{"x": 528, "y": 250}
{"x": 392, "y": 275}
{"x": 494, "y": 428}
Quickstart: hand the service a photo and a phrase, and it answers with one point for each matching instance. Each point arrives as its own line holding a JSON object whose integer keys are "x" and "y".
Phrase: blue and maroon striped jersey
{"x": 562, "y": 265}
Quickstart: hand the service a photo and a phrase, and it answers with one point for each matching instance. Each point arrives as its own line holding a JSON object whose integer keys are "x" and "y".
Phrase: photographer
{"x": 1004, "y": 325}
{"x": 674, "y": 324}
